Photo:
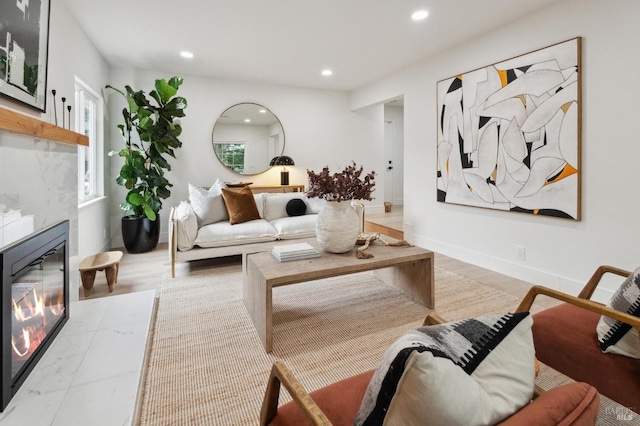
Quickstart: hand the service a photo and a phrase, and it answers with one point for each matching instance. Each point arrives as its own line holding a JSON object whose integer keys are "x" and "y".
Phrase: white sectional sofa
{"x": 189, "y": 241}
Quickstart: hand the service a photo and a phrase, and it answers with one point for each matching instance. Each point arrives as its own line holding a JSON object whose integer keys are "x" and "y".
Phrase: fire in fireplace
{"x": 34, "y": 299}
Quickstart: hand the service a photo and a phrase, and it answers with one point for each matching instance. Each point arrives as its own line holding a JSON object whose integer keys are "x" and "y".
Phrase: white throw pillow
{"x": 275, "y": 205}
{"x": 208, "y": 205}
{"x": 473, "y": 372}
{"x": 187, "y": 224}
{"x": 617, "y": 337}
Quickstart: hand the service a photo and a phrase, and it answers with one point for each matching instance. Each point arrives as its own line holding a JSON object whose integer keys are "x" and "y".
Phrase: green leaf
{"x": 164, "y": 90}
{"x": 175, "y": 82}
{"x": 150, "y": 213}
{"x": 135, "y": 199}
{"x": 133, "y": 106}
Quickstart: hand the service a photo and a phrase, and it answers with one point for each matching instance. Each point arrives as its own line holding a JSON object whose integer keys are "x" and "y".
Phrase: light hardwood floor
{"x": 139, "y": 272}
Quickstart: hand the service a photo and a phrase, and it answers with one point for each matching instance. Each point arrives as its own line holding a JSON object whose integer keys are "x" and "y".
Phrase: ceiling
{"x": 287, "y": 41}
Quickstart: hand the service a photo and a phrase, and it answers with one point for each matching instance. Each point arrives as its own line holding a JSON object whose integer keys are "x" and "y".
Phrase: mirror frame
{"x": 276, "y": 154}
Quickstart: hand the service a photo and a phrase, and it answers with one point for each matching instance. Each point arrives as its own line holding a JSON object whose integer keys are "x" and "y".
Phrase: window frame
{"x": 94, "y": 152}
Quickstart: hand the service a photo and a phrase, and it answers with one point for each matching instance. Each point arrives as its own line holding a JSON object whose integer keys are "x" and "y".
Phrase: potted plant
{"x": 338, "y": 225}
{"x": 150, "y": 133}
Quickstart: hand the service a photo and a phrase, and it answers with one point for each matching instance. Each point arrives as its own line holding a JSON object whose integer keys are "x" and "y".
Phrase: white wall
{"x": 71, "y": 55}
{"x": 319, "y": 130}
{"x": 559, "y": 253}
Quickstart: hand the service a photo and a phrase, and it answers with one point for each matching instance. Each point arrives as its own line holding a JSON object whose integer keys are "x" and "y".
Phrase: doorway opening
{"x": 390, "y": 222}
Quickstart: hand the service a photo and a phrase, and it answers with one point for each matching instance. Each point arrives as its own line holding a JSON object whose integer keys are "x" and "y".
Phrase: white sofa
{"x": 189, "y": 242}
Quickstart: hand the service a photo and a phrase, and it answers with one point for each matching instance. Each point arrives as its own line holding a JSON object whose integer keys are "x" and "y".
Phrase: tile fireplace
{"x": 34, "y": 300}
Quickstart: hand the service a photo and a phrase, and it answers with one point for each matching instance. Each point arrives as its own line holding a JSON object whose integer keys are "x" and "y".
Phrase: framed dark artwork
{"x": 24, "y": 42}
{"x": 509, "y": 134}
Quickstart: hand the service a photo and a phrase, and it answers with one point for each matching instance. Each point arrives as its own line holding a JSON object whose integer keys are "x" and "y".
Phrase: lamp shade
{"x": 282, "y": 160}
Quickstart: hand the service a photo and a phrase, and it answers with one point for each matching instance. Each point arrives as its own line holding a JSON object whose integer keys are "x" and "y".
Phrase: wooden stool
{"x": 109, "y": 262}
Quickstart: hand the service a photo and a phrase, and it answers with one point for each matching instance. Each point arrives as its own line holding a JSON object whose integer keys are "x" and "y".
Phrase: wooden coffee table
{"x": 409, "y": 269}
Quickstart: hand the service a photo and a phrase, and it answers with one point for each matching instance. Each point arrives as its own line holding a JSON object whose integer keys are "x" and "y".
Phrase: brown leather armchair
{"x": 565, "y": 339}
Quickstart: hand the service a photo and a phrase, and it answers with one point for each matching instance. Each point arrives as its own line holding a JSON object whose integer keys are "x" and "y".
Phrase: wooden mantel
{"x": 25, "y": 125}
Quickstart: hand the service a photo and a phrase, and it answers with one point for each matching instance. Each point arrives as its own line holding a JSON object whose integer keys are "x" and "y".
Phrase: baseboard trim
{"x": 515, "y": 270}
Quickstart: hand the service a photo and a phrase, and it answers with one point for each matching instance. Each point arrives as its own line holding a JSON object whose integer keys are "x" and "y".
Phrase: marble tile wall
{"x": 40, "y": 178}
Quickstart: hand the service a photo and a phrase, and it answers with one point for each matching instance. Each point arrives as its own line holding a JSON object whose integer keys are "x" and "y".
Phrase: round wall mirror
{"x": 246, "y": 137}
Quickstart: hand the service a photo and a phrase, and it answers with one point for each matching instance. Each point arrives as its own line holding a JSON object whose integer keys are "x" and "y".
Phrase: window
{"x": 88, "y": 121}
{"x": 231, "y": 154}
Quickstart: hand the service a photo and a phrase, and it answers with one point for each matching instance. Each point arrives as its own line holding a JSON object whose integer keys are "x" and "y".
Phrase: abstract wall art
{"x": 509, "y": 134}
{"x": 24, "y": 41}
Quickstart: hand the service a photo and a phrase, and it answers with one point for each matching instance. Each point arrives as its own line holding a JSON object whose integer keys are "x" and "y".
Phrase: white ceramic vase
{"x": 337, "y": 227}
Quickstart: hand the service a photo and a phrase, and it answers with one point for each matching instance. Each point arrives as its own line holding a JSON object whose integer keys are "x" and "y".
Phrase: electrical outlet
{"x": 520, "y": 252}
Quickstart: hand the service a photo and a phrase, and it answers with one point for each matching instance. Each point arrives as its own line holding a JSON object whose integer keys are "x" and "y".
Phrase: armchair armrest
{"x": 595, "y": 307}
{"x": 280, "y": 374}
{"x": 593, "y": 282}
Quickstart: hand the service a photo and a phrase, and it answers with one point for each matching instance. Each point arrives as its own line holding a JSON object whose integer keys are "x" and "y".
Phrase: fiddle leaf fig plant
{"x": 150, "y": 132}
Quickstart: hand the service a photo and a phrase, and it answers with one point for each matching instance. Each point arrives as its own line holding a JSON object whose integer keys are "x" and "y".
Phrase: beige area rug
{"x": 207, "y": 365}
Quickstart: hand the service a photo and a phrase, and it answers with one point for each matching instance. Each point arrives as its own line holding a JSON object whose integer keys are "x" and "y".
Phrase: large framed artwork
{"x": 509, "y": 134}
{"x": 24, "y": 41}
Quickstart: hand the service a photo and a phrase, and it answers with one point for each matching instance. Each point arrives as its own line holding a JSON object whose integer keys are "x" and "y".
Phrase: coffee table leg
{"x": 257, "y": 299}
{"x": 414, "y": 279}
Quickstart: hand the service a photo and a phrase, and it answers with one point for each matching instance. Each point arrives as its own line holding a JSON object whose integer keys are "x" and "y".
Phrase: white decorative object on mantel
{"x": 337, "y": 227}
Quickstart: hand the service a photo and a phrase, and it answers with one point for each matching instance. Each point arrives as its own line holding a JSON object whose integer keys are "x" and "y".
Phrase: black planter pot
{"x": 140, "y": 235}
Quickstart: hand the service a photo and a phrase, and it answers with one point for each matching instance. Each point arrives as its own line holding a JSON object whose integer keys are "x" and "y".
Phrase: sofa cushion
{"x": 222, "y": 234}
{"x": 565, "y": 339}
{"x": 275, "y": 204}
{"x": 617, "y": 337}
{"x": 241, "y": 205}
{"x": 259, "y": 198}
{"x": 296, "y": 207}
{"x": 486, "y": 364}
{"x": 288, "y": 228}
{"x": 314, "y": 205}
{"x": 187, "y": 226}
{"x": 208, "y": 204}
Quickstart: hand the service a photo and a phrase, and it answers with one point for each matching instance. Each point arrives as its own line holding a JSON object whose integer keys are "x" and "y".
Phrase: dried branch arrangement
{"x": 349, "y": 184}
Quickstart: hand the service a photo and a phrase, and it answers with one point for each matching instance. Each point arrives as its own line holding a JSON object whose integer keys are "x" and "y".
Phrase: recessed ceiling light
{"x": 186, "y": 54}
{"x": 247, "y": 120}
{"x": 263, "y": 111}
{"x": 419, "y": 15}
{"x": 327, "y": 72}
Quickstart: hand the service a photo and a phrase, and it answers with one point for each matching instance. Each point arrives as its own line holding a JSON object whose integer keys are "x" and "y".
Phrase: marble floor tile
{"x": 105, "y": 402}
{"x": 37, "y": 410}
{"x": 113, "y": 352}
{"x": 58, "y": 366}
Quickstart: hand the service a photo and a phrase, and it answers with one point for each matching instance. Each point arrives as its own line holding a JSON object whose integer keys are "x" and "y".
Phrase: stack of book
{"x": 297, "y": 251}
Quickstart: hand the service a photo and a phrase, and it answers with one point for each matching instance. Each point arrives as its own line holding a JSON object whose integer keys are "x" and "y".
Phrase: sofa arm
{"x": 183, "y": 229}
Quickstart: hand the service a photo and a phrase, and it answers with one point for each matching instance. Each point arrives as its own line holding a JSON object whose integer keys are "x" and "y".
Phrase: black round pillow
{"x": 296, "y": 207}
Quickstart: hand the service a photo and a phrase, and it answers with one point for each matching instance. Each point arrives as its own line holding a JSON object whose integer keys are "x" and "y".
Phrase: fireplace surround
{"x": 34, "y": 301}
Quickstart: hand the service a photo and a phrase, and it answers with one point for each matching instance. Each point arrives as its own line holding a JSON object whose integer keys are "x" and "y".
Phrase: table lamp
{"x": 283, "y": 160}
